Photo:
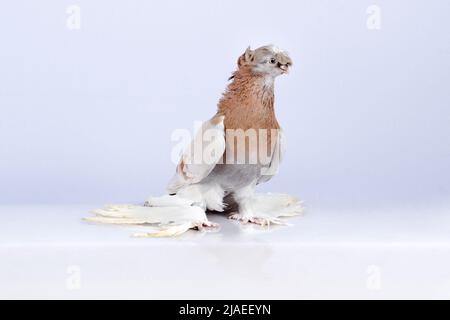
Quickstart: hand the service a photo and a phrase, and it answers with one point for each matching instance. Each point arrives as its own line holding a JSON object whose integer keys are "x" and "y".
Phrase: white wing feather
{"x": 201, "y": 156}
{"x": 278, "y": 154}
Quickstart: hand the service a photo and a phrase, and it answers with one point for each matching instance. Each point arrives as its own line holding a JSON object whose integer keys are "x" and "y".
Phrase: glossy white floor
{"x": 48, "y": 252}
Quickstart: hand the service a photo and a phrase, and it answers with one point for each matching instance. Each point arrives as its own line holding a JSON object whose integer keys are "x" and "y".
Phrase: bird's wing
{"x": 201, "y": 156}
{"x": 272, "y": 169}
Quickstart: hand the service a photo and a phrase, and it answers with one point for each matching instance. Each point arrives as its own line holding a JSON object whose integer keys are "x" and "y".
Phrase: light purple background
{"x": 86, "y": 116}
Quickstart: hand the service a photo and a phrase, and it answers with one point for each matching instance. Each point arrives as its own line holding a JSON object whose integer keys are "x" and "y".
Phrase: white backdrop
{"x": 86, "y": 114}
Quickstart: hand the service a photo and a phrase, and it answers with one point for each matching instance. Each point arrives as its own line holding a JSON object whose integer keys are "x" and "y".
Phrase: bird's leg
{"x": 244, "y": 198}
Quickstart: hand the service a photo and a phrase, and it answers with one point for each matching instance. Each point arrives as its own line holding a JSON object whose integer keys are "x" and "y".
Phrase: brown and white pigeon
{"x": 240, "y": 147}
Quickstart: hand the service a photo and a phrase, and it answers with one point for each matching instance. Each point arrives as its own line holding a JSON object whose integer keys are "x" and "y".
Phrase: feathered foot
{"x": 268, "y": 208}
{"x": 207, "y": 225}
{"x": 167, "y": 201}
{"x": 262, "y": 221}
{"x": 167, "y": 221}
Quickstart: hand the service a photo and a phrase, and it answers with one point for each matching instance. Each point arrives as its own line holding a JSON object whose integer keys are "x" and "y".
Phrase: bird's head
{"x": 267, "y": 60}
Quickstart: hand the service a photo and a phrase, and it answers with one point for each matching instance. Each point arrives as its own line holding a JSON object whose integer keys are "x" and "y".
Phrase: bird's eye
{"x": 272, "y": 61}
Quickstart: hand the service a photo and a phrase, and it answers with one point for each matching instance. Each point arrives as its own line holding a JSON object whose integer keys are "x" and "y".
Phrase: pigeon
{"x": 240, "y": 147}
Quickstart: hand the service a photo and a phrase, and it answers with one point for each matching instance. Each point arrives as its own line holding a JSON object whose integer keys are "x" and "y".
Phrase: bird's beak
{"x": 284, "y": 68}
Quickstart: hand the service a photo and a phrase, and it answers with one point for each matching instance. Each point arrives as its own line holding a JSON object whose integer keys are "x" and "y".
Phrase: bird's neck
{"x": 249, "y": 101}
